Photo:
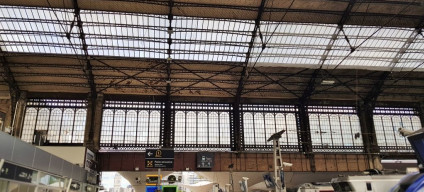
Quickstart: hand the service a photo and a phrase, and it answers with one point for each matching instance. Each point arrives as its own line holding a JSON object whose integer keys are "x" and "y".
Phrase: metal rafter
{"x": 310, "y": 88}
{"x": 377, "y": 89}
{"x": 277, "y": 82}
{"x": 345, "y": 83}
{"x": 7, "y": 75}
{"x": 166, "y": 132}
{"x": 87, "y": 67}
{"x": 128, "y": 75}
{"x": 205, "y": 79}
{"x": 251, "y": 44}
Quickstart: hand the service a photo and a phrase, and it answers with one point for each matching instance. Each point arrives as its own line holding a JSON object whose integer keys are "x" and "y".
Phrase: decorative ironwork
{"x": 64, "y": 120}
{"x": 201, "y": 126}
{"x": 335, "y": 128}
{"x": 130, "y": 125}
{"x": 387, "y": 122}
{"x": 261, "y": 121}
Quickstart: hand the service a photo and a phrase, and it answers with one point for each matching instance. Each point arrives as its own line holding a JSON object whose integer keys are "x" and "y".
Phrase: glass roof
{"x": 44, "y": 30}
{"x": 40, "y": 30}
{"x": 289, "y": 43}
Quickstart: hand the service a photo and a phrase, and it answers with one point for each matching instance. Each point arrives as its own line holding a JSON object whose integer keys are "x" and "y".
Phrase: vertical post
{"x": 94, "y": 122}
{"x": 305, "y": 136}
{"x": 276, "y": 165}
{"x": 158, "y": 185}
{"x": 18, "y": 115}
{"x": 167, "y": 131}
{"x": 421, "y": 113}
{"x": 236, "y": 130}
{"x": 365, "y": 114}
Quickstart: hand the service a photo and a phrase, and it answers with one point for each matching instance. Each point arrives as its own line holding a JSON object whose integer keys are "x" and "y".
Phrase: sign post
{"x": 159, "y": 158}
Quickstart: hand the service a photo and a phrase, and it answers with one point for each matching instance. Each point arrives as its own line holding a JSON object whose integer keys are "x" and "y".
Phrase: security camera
{"x": 404, "y": 132}
{"x": 287, "y": 164}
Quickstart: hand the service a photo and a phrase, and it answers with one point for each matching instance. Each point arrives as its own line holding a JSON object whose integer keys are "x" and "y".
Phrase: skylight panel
{"x": 414, "y": 56}
{"x": 210, "y": 40}
{"x": 125, "y": 34}
{"x": 292, "y": 44}
{"x": 37, "y": 30}
{"x": 366, "y": 46}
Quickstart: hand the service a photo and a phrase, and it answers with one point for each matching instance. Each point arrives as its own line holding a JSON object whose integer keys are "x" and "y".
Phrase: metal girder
{"x": 87, "y": 67}
{"x": 7, "y": 75}
{"x": 346, "y": 82}
{"x": 297, "y": 74}
{"x": 378, "y": 87}
{"x": 310, "y": 88}
{"x": 278, "y": 83}
{"x": 372, "y": 96}
{"x": 205, "y": 79}
{"x": 251, "y": 44}
{"x": 237, "y": 134}
{"x": 128, "y": 75}
{"x": 167, "y": 132}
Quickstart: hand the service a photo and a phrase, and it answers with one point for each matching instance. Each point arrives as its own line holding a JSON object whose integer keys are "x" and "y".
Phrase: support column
{"x": 305, "y": 136}
{"x": 93, "y": 122}
{"x": 16, "y": 118}
{"x": 167, "y": 131}
{"x": 236, "y": 132}
{"x": 365, "y": 114}
{"x": 7, "y": 122}
{"x": 421, "y": 113}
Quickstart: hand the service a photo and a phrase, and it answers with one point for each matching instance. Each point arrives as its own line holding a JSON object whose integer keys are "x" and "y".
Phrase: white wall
{"x": 74, "y": 155}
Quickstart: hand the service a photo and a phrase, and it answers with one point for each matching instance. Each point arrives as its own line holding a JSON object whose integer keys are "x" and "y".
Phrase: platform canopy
{"x": 344, "y": 49}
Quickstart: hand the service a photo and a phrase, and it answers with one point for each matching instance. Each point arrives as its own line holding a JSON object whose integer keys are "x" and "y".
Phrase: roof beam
{"x": 205, "y": 79}
{"x": 378, "y": 87}
{"x": 376, "y": 90}
{"x": 7, "y": 75}
{"x": 244, "y": 74}
{"x": 310, "y": 88}
{"x": 87, "y": 65}
{"x": 128, "y": 75}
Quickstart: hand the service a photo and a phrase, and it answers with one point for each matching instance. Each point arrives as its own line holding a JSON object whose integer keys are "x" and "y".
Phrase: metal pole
{"x": 158, "y": 189}
{"x": 69, "y": 185}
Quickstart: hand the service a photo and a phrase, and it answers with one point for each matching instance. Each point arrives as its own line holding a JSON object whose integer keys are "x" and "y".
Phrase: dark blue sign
{"x": 159, "y": 158}
{"x": 14, "y": 172}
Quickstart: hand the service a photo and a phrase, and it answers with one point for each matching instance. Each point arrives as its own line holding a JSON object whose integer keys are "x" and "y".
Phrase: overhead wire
{"x": 264, "y": 47}
{"x": 375, "y": 32}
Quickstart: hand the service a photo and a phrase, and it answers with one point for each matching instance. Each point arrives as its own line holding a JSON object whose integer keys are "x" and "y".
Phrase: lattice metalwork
{"x": 128, "y": 125}
{"x": 64, "y": 120}
{"x": 387, "y": 121}
{"x": 335, "y": 129}
{"x": 261, "y": 121}
{"x": 142, "y": 35}
{"x": 201, "y": 126}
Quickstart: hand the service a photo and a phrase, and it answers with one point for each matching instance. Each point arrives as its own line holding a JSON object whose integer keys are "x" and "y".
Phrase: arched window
{"x": 387, "y": 121}
{"x": 118, "y": 127}
{"x": 180, "y": 132}
{"x": 64, "y": 120}
{"x": 54, "y": 125}
{"x": 29, "y": 124}
{"x": 131, "y": 127}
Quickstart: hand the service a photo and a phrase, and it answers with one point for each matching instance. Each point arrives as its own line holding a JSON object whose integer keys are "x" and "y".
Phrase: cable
{"x": 263, "y": 47}
{"x": 375, "y": 32}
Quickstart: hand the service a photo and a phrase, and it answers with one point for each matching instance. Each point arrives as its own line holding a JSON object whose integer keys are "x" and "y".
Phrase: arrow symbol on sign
{"x": 149, "y": 153}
